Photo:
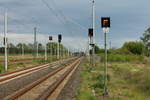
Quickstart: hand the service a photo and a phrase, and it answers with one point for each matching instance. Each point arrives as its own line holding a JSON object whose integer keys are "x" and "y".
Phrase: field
{"x": 127, "y": 80}
{"x": 19, "y": 61}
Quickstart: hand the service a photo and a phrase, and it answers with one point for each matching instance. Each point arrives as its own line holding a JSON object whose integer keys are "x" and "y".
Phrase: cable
{"x": 68, "y": 19}
{"x": 62, "y": 18}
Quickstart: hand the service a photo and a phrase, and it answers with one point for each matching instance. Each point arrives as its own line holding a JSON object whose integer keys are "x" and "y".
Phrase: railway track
{"x": 18, "y": 73}
{"x": 44, "y": 85}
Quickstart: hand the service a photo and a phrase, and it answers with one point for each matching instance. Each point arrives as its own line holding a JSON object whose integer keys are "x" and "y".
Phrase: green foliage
{"x": 1, "y": 68}
{"x": 30, "y": 49}
{"x": 146, "y": 38}
{"x": 147, "y": 53}
{"x": 97, "y": 49}
{"x": 99, "y": 81}
{"x": 133, "y": 48}
{"x": 122, "y": 58}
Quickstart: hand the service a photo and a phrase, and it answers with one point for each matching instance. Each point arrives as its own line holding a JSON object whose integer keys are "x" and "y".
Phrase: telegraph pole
{"x": 5, "y": 41}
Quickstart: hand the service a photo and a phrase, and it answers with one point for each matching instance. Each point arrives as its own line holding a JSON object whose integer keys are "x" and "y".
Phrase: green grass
{"x": 85, "y": 90}
{"x": 20, "y": 65}
{"x": 127, "y": 81}
{"x": 90, "y": 81}
{"x": 1, "y": 68}
{"x": 123, "y": 58}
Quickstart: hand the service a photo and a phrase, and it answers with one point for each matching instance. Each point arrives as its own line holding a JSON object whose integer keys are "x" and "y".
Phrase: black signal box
{"x": 92, "y": 44}
{"x": 50, "y": 38}
{"x": 105, "y": 22}
{"x": 90, "y": 32}
{"x": 59, "y": 38}
{"x": 4, "y": 41}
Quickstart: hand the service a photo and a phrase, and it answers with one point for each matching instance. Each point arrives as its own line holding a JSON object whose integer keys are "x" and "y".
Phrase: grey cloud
{"x": 129, "y": 17}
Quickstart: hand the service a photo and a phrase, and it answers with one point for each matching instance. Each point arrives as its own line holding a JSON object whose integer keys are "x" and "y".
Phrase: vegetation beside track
{"x": 20, "y": 65}
{"x": 127, "y": 80}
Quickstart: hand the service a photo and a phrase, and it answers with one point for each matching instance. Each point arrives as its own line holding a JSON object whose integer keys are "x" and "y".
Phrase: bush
{"x": 134, "y": 47}
{"x": 100, "y": 81}
{"x": 122, "y": 58}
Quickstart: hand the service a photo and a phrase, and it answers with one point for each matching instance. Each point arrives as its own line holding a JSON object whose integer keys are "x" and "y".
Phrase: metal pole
{"x": 105, "y": 65}
{"x": 51, "y": 51}
{"x": 91, "y": 54}
{"x": 93, "y": 40}
{"x": 58, "y": 44}
{"x": 68, "y": 52}
{"x": 35, "y": 43}
{"x": 5, "y": 41}
{"x": 45, "y": 52}
{"x": 37, "y": 49}
{"x": 88, "y": 49}
{"x": 56, "y": 50}
{"x": 62, "y": 51}
{"x": 22, "y": 50}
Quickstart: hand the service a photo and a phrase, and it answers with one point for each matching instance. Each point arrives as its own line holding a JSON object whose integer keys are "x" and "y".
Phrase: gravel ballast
{"x": 16, "y": 84}
{"x": 69, "y": 91}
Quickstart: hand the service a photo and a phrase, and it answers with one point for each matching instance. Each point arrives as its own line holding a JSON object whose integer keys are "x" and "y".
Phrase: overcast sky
{"x": 72, "y": 18}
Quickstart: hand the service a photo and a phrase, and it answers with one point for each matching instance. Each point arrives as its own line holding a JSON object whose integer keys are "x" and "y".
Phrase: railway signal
{"x": 51, "y": 47}
{"x": 91, "y": 43}
{"x": 90, "y": 32}
{"x": 50, "y": 38}
{"x": 105, "y": 24}
{"x": 58, "y": 47}
{"x": 59, "y": 38}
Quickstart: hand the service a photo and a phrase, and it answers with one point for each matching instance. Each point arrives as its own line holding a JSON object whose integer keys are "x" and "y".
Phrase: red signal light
{"x": 50, "y": 38}
{"x": 105, "y": 22}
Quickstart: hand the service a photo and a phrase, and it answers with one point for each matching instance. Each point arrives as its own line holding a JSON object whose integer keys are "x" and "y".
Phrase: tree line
{"x": 30, "y": 48}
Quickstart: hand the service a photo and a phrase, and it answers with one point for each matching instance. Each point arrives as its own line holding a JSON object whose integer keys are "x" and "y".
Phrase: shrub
{"x": 100, "y": 81}
{"x": 122, "y": 58}
{"x": 134, "y": 47}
